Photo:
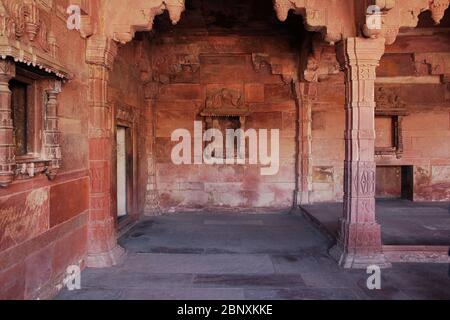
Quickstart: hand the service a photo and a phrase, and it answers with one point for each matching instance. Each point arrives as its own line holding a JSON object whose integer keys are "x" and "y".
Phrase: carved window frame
{"x": 397, "y": 132}
{"x": 44, "y": 153}
{"x": 34, "y": 109}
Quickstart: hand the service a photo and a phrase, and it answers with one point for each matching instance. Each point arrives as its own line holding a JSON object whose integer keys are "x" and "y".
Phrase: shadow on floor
{"x": 402, "y": 222}
{"x": 244, "y": 256}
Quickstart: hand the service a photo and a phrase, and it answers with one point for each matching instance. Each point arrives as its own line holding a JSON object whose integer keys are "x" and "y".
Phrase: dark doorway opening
{"x": 394, "y": 182}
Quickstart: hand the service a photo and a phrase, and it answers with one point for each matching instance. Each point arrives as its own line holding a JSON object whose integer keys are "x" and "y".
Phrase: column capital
{"x": 7, "y": 69}
{"x": 360, "y": 51}
{"x": 101, "y": 51}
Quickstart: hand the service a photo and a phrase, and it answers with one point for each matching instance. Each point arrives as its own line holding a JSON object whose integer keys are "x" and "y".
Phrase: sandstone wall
{"x": 224, "y": 62}
{"x": 42, "y": 222}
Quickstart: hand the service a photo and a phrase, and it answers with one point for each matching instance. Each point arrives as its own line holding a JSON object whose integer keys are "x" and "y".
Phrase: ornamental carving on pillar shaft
{"x": 359, "y": 241}
{"x": 52, "y": 148}
{"x": 7, "y": 148}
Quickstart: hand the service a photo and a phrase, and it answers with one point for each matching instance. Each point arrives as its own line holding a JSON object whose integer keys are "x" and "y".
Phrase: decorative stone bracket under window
{"x": 45, "y": 156}
{"x": 391, "y": 108}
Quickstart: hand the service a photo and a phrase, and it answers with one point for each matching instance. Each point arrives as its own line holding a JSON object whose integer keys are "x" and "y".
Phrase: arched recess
{"x": 112, "y": 28}
{"x": 116, "y": 27}
{"x": 337, "y": 22}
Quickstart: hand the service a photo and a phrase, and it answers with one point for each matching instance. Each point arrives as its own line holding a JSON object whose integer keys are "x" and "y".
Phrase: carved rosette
{"x": 7, "y": 152}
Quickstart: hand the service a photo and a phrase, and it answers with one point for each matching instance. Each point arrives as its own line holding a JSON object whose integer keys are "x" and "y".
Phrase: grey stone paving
{"x": 244, "y": 256}
{"x": 403, "y": 222}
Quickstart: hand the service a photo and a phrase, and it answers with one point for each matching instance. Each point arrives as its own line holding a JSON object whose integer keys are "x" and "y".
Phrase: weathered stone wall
{"x": 223, "y": 62}
{"x": 414, "y": 69}
{"x": 42, "y": 222}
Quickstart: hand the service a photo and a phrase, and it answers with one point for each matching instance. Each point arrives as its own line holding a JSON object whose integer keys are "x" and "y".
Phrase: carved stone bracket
{"x": 139, "y": 17}
{"x": 328, "y": 17}
{"x": 284, "y": 66}
{"x": 321, "y": 64}
{"x": 404, "y": 13}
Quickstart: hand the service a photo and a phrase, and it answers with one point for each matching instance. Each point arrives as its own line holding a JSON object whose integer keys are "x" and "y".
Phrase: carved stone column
{"x": 7, "y": 152}
{"x": 359, "y": 240}
{"x": 152, "y": 206}
{"x": 103, "y": 250}
{"x": 304, "y": 142}
{"x": 52, "y": 148}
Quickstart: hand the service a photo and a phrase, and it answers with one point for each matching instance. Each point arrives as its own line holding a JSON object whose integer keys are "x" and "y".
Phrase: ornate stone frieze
{"x": 405, "y": 13}
{"x": 25, "y": 36}
{"x": 225, "y": 102}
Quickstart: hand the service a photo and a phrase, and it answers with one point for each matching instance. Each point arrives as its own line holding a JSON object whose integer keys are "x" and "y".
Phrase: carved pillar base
{"x": 354, "y": 260}
{"x": 106, "y": 259}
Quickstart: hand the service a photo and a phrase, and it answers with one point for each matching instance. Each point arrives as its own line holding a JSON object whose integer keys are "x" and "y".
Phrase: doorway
{"x": 123, "y": 169}
{"x": 394, "y": 182}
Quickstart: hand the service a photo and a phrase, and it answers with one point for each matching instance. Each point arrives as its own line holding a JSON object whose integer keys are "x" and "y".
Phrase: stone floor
{"x": 403, "y": 222}
{"x": 244, "y": 256}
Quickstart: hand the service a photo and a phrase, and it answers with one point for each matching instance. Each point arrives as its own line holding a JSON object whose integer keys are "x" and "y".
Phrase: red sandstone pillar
{"x": 7, "y": 152}
{"x": 359, "y": 240}
{"x": 52, "y": 146}
{"x": 103, "y": 250}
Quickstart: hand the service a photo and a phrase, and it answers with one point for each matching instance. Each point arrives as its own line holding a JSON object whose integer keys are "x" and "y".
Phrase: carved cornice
{"x": 101, "y": 51}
